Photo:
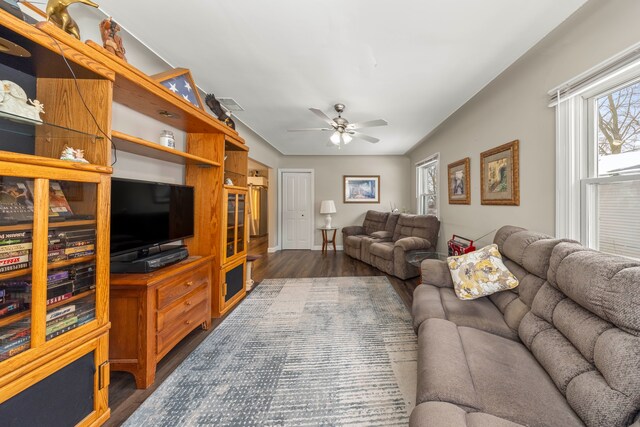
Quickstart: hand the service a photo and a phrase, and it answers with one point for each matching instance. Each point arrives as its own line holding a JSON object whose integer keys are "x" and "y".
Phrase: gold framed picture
{"x": 459, "y": 182}
{"x": 180, "y": 82}
{"x": 361, "y": 188}
{"x": 500, "y": 175}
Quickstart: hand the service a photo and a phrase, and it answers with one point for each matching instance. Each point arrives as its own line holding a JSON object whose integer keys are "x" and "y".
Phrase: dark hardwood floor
{"x": 124, "y": 398}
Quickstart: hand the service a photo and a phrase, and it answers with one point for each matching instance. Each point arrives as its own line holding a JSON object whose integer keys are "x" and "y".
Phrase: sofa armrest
{"x": 436, "y": 272}
{"x": 352, "y": 230}
{"x": 412, "y": 243}
{"x": 384, "y": 236}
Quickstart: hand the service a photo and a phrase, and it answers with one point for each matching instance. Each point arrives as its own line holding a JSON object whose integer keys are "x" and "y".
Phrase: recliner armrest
{"x": 412, "y": 243}
{"x": 352, "y": 230}
{"x": 436, "y": 272}
{"x": 385, "y": 236}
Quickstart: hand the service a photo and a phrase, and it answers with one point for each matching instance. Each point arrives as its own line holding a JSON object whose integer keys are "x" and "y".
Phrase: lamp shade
{"x": 327, "y": 207}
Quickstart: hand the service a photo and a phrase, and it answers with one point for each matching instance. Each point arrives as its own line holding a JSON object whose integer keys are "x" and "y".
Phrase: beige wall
{"x": 328, "y": 173}
{"x": 515, "y": 106}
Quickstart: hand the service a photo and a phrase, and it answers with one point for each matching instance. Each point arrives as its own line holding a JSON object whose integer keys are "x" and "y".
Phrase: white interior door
{"x": 296, "y": 210}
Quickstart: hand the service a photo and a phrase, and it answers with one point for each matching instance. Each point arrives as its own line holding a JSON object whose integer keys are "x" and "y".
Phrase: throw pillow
{"x": 480, "y": 273}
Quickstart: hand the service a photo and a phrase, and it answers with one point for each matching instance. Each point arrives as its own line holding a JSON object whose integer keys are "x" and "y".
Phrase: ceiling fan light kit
{"x": 343, "y": 131}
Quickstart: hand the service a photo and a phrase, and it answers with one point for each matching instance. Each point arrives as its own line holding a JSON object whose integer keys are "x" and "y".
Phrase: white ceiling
{"x": 410, "y": 62}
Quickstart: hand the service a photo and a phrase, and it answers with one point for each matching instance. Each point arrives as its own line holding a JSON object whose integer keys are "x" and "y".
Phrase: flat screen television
{"x": 145, "y": 214}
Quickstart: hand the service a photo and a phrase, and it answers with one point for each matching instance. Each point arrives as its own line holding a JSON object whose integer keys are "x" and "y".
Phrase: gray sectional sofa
{"x": 561, "y": 349}
{"x": 384, "y": 239}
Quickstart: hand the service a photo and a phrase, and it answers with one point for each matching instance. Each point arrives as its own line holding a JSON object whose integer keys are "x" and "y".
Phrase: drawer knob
{"x": 189, "y": 283}
{"x": 187, "y": 303}
{"x": 188, "y": 322}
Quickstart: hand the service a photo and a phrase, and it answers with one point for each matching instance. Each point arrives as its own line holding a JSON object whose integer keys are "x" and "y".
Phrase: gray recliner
{"x": 377, "y": 227}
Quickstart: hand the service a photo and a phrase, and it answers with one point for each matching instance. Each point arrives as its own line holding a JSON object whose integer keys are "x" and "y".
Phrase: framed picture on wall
{"x": 459, "y": 182}
{"x": 361, "y": 188}
{"x": 180, "y": 82}
{"x": 500, "y": 175}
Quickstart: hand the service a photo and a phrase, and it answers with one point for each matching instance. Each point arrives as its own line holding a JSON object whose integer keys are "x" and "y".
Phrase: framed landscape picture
{"x": 500, "y": 175}
{"x": 362, "y": 189}
{"x": 180, "y": 82}
{"x": 459, "y": 182}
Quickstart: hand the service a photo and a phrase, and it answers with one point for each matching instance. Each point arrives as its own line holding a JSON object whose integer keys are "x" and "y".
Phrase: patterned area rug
{"x": 298, "y": 352}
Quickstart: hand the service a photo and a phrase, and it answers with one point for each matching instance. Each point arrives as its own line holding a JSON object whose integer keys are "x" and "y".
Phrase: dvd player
{"x": 149, "y": 263}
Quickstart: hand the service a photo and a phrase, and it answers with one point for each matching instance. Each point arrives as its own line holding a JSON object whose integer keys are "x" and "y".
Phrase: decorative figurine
{"x": 111, "y": 41}
{"x": 73, "y": 155}
{"x": 57, "y": 13}
{"x": 222, "y": 114}
{"x": 15, "y": 105}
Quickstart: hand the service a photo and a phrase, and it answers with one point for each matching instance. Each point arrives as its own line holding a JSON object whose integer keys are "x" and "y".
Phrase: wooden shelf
{"x": 132, "y": 144}
{"x": 29, "y": 226}
{"x": 29, "y": 159}
{"x": 26, "y": 313}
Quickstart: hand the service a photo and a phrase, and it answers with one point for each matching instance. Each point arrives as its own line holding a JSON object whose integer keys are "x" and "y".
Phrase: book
{"x": 56, "y": 256}
{"x": 59, "y": 298}
{"x": 15, "y": 332}
{"x": 15, "y": 350}
{"x": 13, "y": 267}
{"x": 15, "y": 247}
{"x": 10, "y": 307}
{"x": 60, "y": 324}
{"x": 77, "y": 249}
{"x": 81, "y": 254}
{"x": 60, "y": 311}
{"x": 81, "y": 242}
{"x": 78, "y": 234}
{"x": 20, "y": 236}
{"x": 16, "y": 201}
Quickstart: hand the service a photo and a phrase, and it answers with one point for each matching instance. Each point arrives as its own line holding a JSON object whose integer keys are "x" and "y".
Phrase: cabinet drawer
{"x": 176, "y": 287}
{"x": 177, "y": 311}
{"x": 174, "y": 332}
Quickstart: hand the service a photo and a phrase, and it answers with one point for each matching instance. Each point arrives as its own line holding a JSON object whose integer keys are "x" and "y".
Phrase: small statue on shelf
{"x": 73, "y": 155}
{"x": 111, "y": 40}
{"x": 15, "y": 105}
{"x": 58, "y": 14}
{"x": 221, "y": 113}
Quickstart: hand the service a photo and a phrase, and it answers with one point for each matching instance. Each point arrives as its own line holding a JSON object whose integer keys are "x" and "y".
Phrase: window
{"x": 598, "y": 157}
{"x": 427, "y": 186}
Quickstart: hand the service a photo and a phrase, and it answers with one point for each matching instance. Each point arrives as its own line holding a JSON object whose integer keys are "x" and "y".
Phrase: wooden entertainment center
{"x": 148, "y": 313}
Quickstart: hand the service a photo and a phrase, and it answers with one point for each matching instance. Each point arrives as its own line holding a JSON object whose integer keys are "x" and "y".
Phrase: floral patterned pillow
{"x": 480, "y": 273}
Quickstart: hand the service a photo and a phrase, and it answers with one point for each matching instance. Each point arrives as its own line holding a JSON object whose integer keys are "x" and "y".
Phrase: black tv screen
{"x": 144, "y": 214}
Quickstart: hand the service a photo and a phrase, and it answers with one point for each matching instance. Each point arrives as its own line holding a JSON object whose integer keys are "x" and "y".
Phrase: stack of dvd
{"x": 84, "y": 277}
{"x": 69, "y": 316}
{"x": 79, "y": 242}
{"x": 14, "y": 339}
{"x": 59, "y": 286}
{"x": 56, "y": 247}
{"x": 15, "y": 250}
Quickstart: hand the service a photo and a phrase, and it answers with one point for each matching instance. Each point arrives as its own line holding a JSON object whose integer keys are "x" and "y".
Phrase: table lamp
{"x": 327, "y": 207}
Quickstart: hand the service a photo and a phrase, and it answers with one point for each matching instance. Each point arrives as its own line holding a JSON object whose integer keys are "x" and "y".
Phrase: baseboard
{"x": 273, "y": 249}
{"x": 319, "y": 248}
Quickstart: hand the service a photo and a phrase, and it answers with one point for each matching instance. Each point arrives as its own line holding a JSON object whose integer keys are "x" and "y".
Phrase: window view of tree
{"x": 619, "y": 131}
{"x": 428, "y": 188}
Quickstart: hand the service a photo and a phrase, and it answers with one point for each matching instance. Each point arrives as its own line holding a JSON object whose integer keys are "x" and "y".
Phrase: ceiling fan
{"x": 343, "y": 131}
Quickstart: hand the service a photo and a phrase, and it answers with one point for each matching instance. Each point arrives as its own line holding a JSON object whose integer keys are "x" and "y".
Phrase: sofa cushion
{"x": 425, "y": 226}
{"x": 442, "y": 414}
{"x": 483, "y": 372}
{"x": 442, "y": 303}
{"x": 354, "y": 241}
{"x": 480, "y": 273}
{"x": 374, "y": 221}
{"x": 584, "y": 329}
{"x": 383, "y": 250}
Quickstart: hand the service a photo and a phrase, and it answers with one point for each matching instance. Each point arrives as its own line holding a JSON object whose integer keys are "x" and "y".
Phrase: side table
{"x": 325, "y": 238}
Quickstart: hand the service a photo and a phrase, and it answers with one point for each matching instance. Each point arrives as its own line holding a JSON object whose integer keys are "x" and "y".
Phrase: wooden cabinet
{"x": 234, "y": 230}
{"x": 152, "y": 312}
{"x": 54, "y": 236}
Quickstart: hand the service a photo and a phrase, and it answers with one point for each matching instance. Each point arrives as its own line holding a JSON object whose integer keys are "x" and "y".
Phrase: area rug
{"x": 297, "y": 352}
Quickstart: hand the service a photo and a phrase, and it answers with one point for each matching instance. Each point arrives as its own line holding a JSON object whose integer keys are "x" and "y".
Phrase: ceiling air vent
{"x": 230, "y": 104}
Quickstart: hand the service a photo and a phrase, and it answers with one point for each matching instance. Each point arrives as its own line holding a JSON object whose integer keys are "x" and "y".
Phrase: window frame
{"x": 421, "y": 167}
{"x": 577, "y": 149}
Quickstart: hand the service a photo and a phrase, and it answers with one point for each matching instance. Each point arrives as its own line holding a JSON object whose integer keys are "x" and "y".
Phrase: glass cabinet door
{"x": 16, "y": 249}
{"x": 231, "y": 225}
{"x": 241, "y": 224}
{"x": 71, "y": 256}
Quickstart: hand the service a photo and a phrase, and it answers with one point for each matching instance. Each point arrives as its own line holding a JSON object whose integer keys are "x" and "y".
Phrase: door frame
{"x": 281, "y": 172}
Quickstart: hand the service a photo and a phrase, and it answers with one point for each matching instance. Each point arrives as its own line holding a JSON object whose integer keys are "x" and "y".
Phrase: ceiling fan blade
{"x": 369, "y": 124}
{"x": 323, "y": 116}
{"x": 308, "y": 129}
{"x": 365, "y": 137}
